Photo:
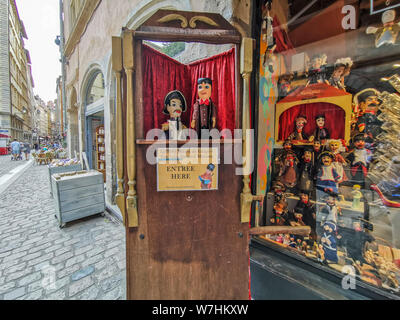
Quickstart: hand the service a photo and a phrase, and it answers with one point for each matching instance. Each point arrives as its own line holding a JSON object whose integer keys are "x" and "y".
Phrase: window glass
{"x": 329, "y": 74}
{"x": 95, "y": 89}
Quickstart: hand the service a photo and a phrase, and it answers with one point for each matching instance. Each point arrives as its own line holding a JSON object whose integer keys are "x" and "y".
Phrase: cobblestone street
{"x": 38, "y": 260}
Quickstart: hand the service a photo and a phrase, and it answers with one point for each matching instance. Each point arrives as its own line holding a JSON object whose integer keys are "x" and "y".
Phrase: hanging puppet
{"x": 329, "y": 242}
{"x": 358, "y": 159}
{"x": 317, "y": 73}
{"x": 388, "y": 32}
{"x": 330, "y": 211}
{"x": 341, "y": 70}
{"x": 204, "y": 111}
{"x": 337, "y": 147}
{"x": 309, "y": 214}
{"x": 327, "y": 177}
{"x": 307, "y": 171}
{"x": 298, "y": 134}
{"x": 174, "y": 106}
{"x": 320, "y": 133}
{"x": 267, "y": 31}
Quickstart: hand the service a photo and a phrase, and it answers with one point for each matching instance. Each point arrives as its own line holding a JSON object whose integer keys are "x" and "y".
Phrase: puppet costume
{"x": 174, "y": 106}
{"x": 328, "y": 179}
{"x": 329, "y": 242}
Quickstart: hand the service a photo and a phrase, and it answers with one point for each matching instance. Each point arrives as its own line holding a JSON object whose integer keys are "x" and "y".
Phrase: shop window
{"x": 333, "y": 179}
{"x": 95, "y": 88}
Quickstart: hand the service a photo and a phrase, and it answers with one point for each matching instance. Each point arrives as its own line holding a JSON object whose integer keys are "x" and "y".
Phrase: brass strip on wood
{"x": 131, "y": 200}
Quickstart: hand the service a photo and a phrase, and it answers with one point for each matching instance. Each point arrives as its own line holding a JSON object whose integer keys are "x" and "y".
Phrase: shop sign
{"x": 376, "y": 5}
{"x": 187, "y": 169}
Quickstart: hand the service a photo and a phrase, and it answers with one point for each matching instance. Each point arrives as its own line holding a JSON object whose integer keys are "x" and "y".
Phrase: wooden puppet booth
{"x": 186, "y": 238}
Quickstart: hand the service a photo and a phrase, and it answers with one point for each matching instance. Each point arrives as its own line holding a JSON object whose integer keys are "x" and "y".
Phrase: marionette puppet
{"x": 320, "y": 133}
{"x": 308, "y": 210}
{"x": 288, "y": 172}
{"x": 204, "y": 111}
{"x": 341, "y": 70}
{"x": 307, "y": 171}
{"x": 337, "y": 147}
{"x": 279, "y": 163}
{"x": 298, "y": 133}
{"x": 206, "y": 177}
{"x": 327, "y": 177}
{"x": 330, "y": 211}
{"x": 174, "y": 106}
{"x": 284, "y": 85}
{"x": 358, "y": 159}
{"x": 280, "y": 210}
{"x": 367, "y": 121}
{"x": 317, "y": 74}
{"x": 329, "y": 242}
{"x": 296, "y": 217}
{"x": 388, "y": 32}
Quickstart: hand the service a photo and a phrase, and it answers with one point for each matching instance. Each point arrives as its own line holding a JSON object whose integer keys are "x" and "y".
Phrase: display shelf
{"x": 100, "y": 147}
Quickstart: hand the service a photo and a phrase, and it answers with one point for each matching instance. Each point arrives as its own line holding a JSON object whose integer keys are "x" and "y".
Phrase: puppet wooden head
{"x": 174, "y": 104}
{"x": 204, "y": 86}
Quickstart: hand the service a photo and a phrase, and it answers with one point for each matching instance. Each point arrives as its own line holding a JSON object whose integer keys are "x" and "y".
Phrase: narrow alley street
{"x": 38, "y": 260}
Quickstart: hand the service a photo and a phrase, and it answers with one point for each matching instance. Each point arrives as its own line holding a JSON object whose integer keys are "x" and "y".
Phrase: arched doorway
{"x": 94, "y": 115}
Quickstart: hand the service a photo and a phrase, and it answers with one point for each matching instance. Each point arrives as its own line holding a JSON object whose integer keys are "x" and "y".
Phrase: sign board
{"x": 376, "y": 6}
{"x": 187, "y": 169}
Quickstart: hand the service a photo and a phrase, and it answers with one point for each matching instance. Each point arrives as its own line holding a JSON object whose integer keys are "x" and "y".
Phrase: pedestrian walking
{"x": 27, "y": 150}
{"x": 15, "y": 149}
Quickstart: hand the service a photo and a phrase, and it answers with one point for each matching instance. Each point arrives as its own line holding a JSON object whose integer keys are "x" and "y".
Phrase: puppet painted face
{"x": 175, "y": 108}
{"x": 316, "y": 63}
{"x": 359, "y": 144}
{"x": 326, "y": 160}
{"x": 307, "y": 156}
{"x": 204, "y": 90}
{"x": 304, "y": 197}
{"x": 287, "y": 145}
{"x": 300, "y": 123}
{"x": 317, "y": 145}
{"x": 370, "y": 104}
{"x": 338, "y": 72}
{"x": 320, "y": 122}
{"x": 334, "y": 145}
{"x": 298, "y": 216}
{"x": 331, "y": 201}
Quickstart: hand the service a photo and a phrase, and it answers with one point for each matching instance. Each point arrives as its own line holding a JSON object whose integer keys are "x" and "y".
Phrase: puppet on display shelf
{"x": 317, "y": 149}
{"x": 298, "y": 133}
{"x": 288, "y": 172}
{"x": 330, "y": 211}
{"x": 280, "y": 210}
{"x": 280, "y": 159}
{"x": 341, "y": 70}
{"x": 174, "y": 106}
{"x": 296, "y": 217}
{"x": 284, "y": 85}
{"x": 317, "y": 74}
{"x": 320, "y": 133}
{"x": 358, "y": 159}
{"x": 327, "y": 177}
{"x": 307, "y": 171}
{"x": 309, "y": 214}
{"x": 329, "y": 242}
{"x": 204, "y": 111}
{"x": 337, "y": 147}
{"x": 388, "y": 32}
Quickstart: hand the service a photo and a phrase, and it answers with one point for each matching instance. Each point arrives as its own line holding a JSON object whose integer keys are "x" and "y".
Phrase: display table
{"x": 61, "y": 169}
{"x": 78, "y": 195}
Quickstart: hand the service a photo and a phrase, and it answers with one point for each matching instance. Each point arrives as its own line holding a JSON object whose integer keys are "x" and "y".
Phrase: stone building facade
{"x": 90, "y": 84}
{"x": 15, "y": 75}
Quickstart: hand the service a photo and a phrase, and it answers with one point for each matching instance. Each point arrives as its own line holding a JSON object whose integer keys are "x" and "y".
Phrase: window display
{"x": 335, "y": 164}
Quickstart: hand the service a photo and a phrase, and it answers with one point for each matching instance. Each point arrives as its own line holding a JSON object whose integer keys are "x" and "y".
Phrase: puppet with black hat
{"x": 174, "y": 106}
{"x": 327, "y": 177}
{"x": 358, "y": 159}
{"x": 307, "y": 171}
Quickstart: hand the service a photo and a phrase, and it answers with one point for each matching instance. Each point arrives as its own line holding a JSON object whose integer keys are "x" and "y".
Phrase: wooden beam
{"x": 300, "y": 231}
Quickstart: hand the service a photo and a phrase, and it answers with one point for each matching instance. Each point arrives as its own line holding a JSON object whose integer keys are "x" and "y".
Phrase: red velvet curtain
{"x": 334, "y": 119}
{"x": 221, "y": 69}
{"x": 162, "y": 74}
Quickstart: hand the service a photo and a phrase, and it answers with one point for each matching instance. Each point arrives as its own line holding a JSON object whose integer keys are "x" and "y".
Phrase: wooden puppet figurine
{"x": 288, "y": 174}
{"x": 327, "y": 177}
{"x": 341, "y": 70}
{"x": 174, "y": 106}
{"x": 317, "y": 74}
{"x": 320, "y": 133}
{"x": 336, "y": 147}
{"x": 298, "y": 133}
{"x": 204, "y": 111}
{"x": 330, "y": 211}
{"x": 309, "y": 214}
{"x": 206, "y": 177}
{"x": 388, "y": 32}
{"x": 280, "y": 213}
{"x": 358, "y": 158}
{"x": 306, "y": 176}
{"x": 296, "y": 218}
{"x": 329, "y": 242}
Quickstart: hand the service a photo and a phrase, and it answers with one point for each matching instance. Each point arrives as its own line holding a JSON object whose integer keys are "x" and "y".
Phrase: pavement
{"x": 38, "y": 260}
